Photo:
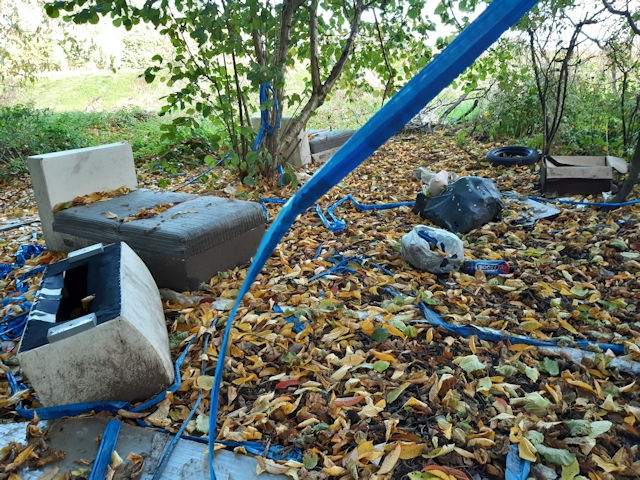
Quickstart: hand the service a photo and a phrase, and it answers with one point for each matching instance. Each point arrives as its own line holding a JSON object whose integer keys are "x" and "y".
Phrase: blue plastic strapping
{"x": 576, "y": 202}
{"x": 275, "y": 452}
{"x": 337, "y": 225}
{"x": 107, "y": 445}
{"x": 341, "y": 266}
{"x": 495, "y": 336}
{"x": 266, "y": 128}
{"x": 420, "y": 90}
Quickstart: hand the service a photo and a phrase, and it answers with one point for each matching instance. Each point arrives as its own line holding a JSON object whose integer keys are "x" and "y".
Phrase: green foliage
{"x": 28, "y": 131}
{"x": 25, "y": 131}
{"x": 24, "y": 51}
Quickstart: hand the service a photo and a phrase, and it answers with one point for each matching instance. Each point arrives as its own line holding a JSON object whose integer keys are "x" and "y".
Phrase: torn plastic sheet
{"x": 517, "y": 468}
{"x": 536, "y": 211}
{"x": 298, "y": 325}
{"x": 577, "y": 356}
{"x": 13, "y": 323}
{"x": 24, "y": 253}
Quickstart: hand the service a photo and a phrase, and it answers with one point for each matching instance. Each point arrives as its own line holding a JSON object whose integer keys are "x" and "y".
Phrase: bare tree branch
{"x": 623, "y": 13}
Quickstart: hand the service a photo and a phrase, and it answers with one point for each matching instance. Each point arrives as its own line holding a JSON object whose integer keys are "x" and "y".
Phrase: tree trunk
{"x": 287, "y": 137}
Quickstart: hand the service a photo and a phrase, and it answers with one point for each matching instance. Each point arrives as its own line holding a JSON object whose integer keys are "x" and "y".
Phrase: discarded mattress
{"x": 183, "y": 239}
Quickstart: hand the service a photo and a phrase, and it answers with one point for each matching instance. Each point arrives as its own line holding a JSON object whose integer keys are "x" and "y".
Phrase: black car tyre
{"x": 512, "y": 155}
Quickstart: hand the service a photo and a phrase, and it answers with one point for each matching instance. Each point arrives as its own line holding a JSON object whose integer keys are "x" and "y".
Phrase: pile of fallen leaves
{"x": 341, "y": 364}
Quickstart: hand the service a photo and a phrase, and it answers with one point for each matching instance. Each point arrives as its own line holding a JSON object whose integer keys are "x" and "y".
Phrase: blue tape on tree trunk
{"x": 439, "y": 73}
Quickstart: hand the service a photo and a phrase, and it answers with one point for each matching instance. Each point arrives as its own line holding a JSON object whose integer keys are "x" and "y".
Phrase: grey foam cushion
{"x": 193, "y": 224}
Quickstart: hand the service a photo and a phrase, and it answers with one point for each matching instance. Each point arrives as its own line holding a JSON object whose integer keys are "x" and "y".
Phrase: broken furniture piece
{"x": 324, "y": 143}
{"x": 183, "y": 239}
{"x": 96, "y": 331}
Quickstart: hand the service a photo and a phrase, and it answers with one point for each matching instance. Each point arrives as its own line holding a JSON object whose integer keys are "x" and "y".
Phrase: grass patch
{"x": 93, "y": 91}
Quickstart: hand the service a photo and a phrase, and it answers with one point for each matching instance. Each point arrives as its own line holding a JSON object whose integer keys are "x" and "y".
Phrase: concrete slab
{"x": 77, "y": 437}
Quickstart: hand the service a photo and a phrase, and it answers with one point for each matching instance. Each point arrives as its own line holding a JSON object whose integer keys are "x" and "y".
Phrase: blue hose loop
{"x": 336, "y": 225}
{"x": 105, "y": 450}
{"x": 491, "y": 335}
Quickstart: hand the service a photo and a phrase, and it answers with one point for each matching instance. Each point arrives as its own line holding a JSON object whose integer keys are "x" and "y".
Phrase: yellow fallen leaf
{"x": 567, "y": 326}
{"x": 605, "y": 465}
{"x": 433, "y": 474}
{"x": 480, "y": 443}
{"x": 409, "y": 450}
{"x": 367, "y": 327}
{"x": 20, "y": 458}
{"x": 390, "y": 461}
{"x": 580, "y": 384}
{"x": 526, "y": 450}
{"x": 334, "y": 471}
{"x": 530, "y": 325}
{"x": 416, "y": 405}
{"x": 384, "y": 356}
{"x": 393, "y": 395}
{"x": 439, "y": 451}
{"x": 472, "y": 343}
{"x": 204, "y": 382}
{"x": 368, "y": 452}
{"x": 429, "y": 336}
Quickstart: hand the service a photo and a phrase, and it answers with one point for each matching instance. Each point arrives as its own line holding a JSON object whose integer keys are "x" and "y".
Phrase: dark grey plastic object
{"x": 183, "y": 245}
{"x": 319, "y": 141}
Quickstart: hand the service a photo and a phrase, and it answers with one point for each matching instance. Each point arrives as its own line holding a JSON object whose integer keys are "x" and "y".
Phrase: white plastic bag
{"x": 432, "y": 249}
